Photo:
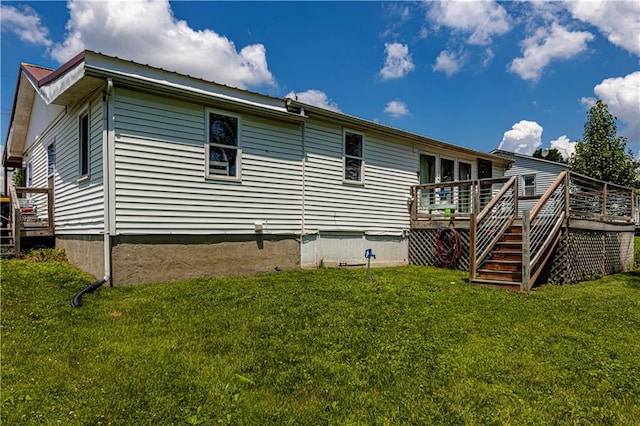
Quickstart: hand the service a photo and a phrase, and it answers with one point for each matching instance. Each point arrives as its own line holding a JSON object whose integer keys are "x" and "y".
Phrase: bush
{"x": 46, "y": 255}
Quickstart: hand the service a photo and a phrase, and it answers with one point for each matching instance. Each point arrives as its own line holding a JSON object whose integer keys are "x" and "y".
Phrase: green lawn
{"x": 416, "y": 345}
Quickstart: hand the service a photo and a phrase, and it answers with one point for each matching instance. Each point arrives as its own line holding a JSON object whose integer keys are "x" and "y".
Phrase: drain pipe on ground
{"x": 106, "y": 129}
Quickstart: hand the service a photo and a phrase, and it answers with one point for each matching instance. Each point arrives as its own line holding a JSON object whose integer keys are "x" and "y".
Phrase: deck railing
{"x": 492, "y": 222}
{"x": 449, "y": 200}
{"x": 541, "y": 229}
{"x": 31, "y": 216}
{"x": 636, "y": 208}
{"x": 597, "y": 200}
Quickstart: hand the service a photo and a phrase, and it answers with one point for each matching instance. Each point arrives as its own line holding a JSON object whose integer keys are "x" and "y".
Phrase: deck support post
{"x": 50, "y": 219}
{"x": 472, "y": 247}
{"x": 526, "y": 250}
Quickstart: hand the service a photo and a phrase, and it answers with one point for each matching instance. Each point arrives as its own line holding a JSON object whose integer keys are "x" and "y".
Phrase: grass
{"x": 416, "y": 345}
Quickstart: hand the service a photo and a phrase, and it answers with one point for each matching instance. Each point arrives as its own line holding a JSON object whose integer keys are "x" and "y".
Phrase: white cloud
{"x": 25, "y": 23}
{"x": 396, "y": 109}
{"x": 622, "y": 96}
{"x": 448, "y": 63}
{"x": 588, "y": 102}
{"x": 565, "y": 146}
{"x": 481, "y": 19}
{"x": 619, "y": 21}
{"x": 314, "y": 97}
{"x": 423, "y": 33}
{"x": 523, "y": 138}
{"x": 489, "y": 55}
{"x": 398, "y": 62}
{"x": 147, "y": 32}
{"x": 548, "y": 45}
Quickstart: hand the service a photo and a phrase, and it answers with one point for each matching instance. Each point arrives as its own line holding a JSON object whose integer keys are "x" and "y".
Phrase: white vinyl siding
{"x": 78, "y": 207}
{"x": 159, "y": 176}
{"x": 545, "y": 173}
{"x": 380, "y": 205}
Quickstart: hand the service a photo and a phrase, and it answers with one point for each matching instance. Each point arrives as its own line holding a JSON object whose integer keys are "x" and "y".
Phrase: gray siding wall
{"x": 380, "y": 205}
{"x": 546, "y": 173}
{"x": 78, "y": 204}
{"x": 160, "y": 186}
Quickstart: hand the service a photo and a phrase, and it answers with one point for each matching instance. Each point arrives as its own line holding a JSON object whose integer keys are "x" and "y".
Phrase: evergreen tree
{"x": 602, "y": 153}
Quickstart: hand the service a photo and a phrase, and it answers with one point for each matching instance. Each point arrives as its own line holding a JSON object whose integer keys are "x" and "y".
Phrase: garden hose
{"x": 448, "y": 247}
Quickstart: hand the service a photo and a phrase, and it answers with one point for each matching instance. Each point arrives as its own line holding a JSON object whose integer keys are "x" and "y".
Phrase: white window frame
{"x": 455, "y": 168}
{"x": 345, "y": 157}
{"x": 51, "y": 165}
{"x": 208, "y": 144}
{"x": 29, "y": 174}
{"x": 81, "y": 153}
{"x": 525, "y": 186}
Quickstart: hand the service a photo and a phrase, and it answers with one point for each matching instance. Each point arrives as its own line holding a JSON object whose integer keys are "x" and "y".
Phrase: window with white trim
{"x": 353, "y": 156}
{"x": 29, "y": 174}
{"x": 51, "y": 158}
{"x": 223, "y": 145}
{"x": 84, "y": 138}
{"x": 529, "y": 185}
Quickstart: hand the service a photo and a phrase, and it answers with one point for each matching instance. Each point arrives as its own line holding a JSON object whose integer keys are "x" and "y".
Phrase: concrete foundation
{"x": 333, "y": 249}
{"x": 151, "y": 259}
{"x": 84, "y": 251}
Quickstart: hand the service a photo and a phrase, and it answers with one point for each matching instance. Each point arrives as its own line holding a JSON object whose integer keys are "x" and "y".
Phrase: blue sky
{"x": 481, "y": 74}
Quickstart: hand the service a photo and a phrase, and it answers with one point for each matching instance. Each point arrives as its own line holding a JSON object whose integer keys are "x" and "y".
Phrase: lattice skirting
{"x": 422, "y": 248}
{"x": 583, "y": 255}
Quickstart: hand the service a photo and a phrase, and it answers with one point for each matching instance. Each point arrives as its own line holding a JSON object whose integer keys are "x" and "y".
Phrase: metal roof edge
{"x": 394, "y": 131}
{"x": 529, "y": 157}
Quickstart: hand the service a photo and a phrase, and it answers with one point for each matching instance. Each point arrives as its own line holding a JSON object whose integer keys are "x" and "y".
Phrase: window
{"x": 447, "y": 168}
{"x": 29, "y": 174}
{"x": 51, "y": 158}
{"x": 84, "y": 144}
{"x": 223, "y": 145}
{"x": 353, "y": 156}
{"x": 529, "y": 185}
{"x": 464, "y": 171}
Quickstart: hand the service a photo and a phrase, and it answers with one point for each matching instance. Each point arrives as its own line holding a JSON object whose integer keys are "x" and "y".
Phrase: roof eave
{"x": 363, "y": 124}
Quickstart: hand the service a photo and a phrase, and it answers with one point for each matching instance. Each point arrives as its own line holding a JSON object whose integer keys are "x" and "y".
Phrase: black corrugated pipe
{"x": 77, "y": 299}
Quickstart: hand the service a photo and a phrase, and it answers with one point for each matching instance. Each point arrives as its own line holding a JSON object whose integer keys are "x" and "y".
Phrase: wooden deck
{"x": 30, "y": 216}
{"x": 511, "y": 248}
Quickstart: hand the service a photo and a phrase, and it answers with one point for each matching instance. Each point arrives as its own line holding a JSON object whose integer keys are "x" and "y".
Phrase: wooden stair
{"x": 7, "y": 243}
{"x": 503, "y": 266}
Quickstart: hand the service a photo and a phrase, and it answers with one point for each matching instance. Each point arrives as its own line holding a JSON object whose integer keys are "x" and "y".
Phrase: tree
{"x": 553, "y": 155}
{"x": 19, "y": 177}
{"x": 602, "y": 153}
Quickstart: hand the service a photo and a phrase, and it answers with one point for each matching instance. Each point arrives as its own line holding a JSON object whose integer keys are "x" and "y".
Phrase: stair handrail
{"x": 544, "y": 229}
{"x": 491, "y": 223}
{"x": 495, "y": 199}
{"x": 15, "y": 220}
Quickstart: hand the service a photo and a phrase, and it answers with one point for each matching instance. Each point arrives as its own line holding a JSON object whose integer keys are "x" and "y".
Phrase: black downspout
{"x": 77, "y": 299}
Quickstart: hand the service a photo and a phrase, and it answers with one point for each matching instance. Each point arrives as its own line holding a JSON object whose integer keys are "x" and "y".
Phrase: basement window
{"x": 223, "y": 151}
{"x": 529, "y": 185}
{"x": 353, "y": 156}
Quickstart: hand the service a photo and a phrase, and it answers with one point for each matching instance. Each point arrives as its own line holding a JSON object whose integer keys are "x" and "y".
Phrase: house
{"x": 155, "y": 176}
{"x": 535, "y": 175}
